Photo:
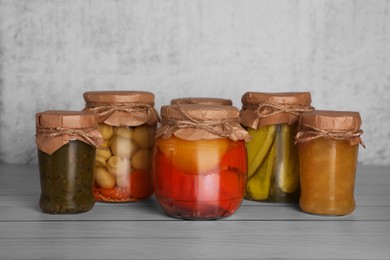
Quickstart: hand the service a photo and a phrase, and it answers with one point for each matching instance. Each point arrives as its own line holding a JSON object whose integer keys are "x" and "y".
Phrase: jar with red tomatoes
{"x": 200, "y": 161}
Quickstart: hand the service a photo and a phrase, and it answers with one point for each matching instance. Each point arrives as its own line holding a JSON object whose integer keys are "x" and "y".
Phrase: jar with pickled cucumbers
{"x": 66, "y": 142}
{"x": 200, "y": 161}
{"x": 127, "y": 122}
{"x": 328, "y": 144}
{"x": 202, "y": 101}
{"x": 273, "y": 166}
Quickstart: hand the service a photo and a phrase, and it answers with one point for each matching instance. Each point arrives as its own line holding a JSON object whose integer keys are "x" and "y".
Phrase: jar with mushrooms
{"x": 127, "y": 123}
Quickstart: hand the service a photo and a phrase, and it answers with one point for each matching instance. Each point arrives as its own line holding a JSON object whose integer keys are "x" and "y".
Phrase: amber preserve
{"x": 328, "y": 144}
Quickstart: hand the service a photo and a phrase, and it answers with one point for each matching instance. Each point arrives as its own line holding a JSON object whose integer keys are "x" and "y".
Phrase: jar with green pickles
{"x": 273, "y": 166}
{"x": 127, "y": 122}
{"x": 66, "y": 142}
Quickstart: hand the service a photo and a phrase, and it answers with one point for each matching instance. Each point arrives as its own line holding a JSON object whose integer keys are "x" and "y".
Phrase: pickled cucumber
{"x": 259, "y": 146}
{"x": 288, "y": 177}
{"x": 258, "y": 186}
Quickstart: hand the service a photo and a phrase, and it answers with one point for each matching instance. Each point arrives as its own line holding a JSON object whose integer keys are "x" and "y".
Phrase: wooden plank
{"x": 196, "y": 240}
{"x": 150, "y": 210}
{"x": 26, "y": 200}
{"x": 24, "y": 179}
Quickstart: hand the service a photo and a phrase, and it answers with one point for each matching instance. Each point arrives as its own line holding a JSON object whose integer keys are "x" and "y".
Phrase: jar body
{"x": 66, "y": 178}
{"x": 273, "y": 165}
{"x": 199, "y": 180}
{"x": 328, "y": 169}
{"x": 124, "y": 164}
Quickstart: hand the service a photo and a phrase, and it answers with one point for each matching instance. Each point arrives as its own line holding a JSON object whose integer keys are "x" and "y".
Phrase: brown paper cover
{"x": 260, "y": 109}
{"x": 55, "y": 128}
{"x": 195, "y": 122}
{"x": 202, "y": 101}
{"x": 342, "y": 125}
{"x": 122, "y": 108}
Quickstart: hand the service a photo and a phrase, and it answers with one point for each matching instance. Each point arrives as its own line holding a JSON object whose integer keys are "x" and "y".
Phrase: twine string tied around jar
{"x": 139, "y": 110}
{"x": 314, "y": 133}
{"x": 225, "y": 129}
{"x": 277, "y": 108}
{"x": 87, "y": 134}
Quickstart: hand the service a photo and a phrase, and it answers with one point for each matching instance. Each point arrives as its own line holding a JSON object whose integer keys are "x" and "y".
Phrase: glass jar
{"x": 202, "y": 101}
{"x": 127, "y": 122}
{"x": 66, "y": 142}
{"x": 200, "y": 161}
{"x": 273, "y": 167}
{"x": 328, "y": 143}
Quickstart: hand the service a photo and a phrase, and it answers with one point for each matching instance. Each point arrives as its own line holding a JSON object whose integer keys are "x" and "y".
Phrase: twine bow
{"x": 87, "y": 134}
{"x": 314, "y": 133}
{"x": 227, "y": 125}
{"x": 141, "y": 111}
{"x": 276, "y": 109}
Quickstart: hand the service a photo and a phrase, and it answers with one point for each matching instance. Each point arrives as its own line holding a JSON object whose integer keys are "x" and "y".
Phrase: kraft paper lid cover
{"x": 331, "y": 120}
{"x": 55, "y": 128}
{"x": 260, "y": 109}
{"x": 202, "y": 101}
{"x": 195, "y": 122}
{"x": 122, "y": 108}
{"x": 343, "y": 125}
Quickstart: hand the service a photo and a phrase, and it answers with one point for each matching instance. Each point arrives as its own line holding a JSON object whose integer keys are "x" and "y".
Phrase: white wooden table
{"x": 141, "y": 230}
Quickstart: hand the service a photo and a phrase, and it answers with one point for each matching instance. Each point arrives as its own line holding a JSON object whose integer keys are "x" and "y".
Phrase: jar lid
{"x": 66, "y": 119}
{"x": 260, "y": 109}
{"x": 202, "y": 101}
{"x": 122, "y": 108}
{"x": 343, "y": 125}
{"x": 114, "y": 97}
{"x": 331, "y": 120}
{"x": 55, "y": 128}
{"x": 195, "y": 122}
{"x": 281, "y": 98}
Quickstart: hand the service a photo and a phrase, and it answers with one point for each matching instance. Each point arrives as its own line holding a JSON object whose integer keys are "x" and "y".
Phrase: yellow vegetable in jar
{"x": 258, "y": 186}
{"x": 117, "y": 166}
{"x": 259, "y": 146}
{"x": 143, "y": 135}
{"x": 124, "y": 131}
{"x": 103, "y": 178}
{"x": 102, "y": 156}
{"x": 123, "y": 147}
{"x": 106, "y": 131}
{"x": 142, "y": 159}
{"x": 194, "y": 157}
{"x": 288, "y": 175}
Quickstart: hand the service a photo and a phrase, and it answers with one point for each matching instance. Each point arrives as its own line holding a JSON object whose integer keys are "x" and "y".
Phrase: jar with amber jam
{"x": 273, "y": 167}
{"x": 66, "y": 142}
{"x": 200, "y": 161}
{"x": 127, "y": 122}
{"x": 328, "y": 144}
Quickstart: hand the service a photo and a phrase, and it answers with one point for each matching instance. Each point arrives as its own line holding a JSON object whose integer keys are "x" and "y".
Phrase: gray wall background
{"x": 51, "y": 51}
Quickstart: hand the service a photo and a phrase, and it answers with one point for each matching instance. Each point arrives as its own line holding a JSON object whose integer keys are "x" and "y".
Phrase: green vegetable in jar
{"x": 67, "y": 178}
